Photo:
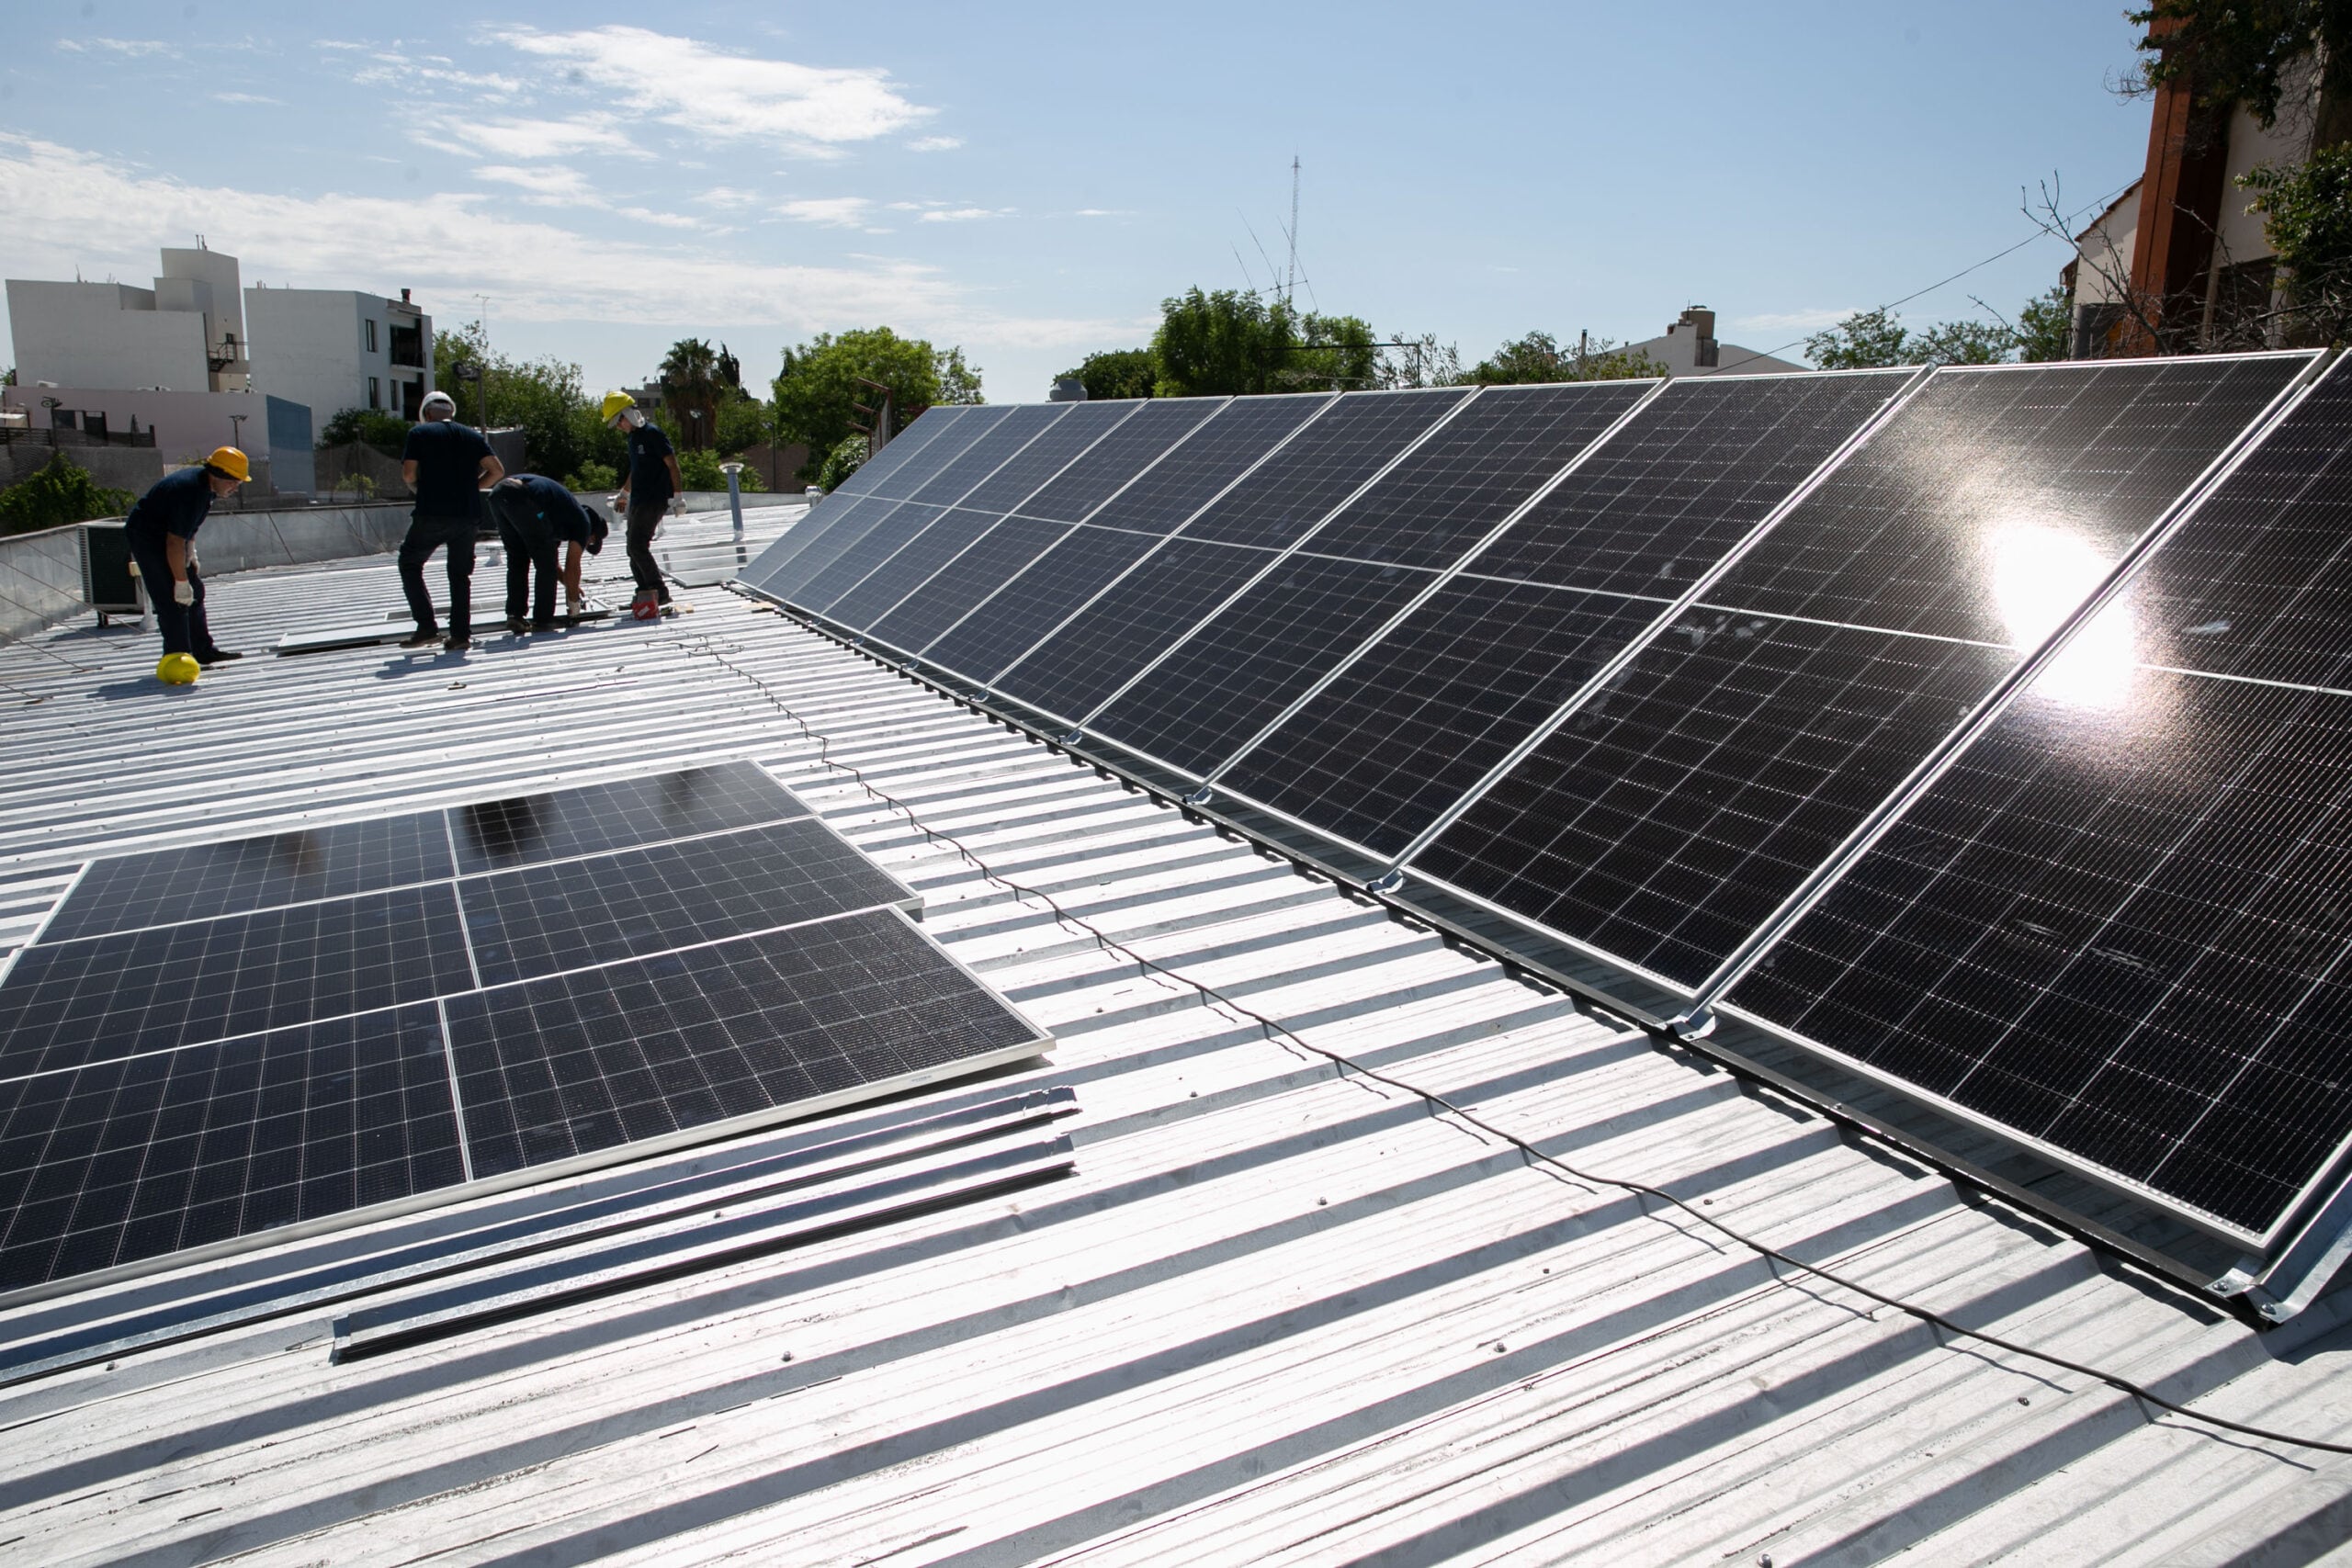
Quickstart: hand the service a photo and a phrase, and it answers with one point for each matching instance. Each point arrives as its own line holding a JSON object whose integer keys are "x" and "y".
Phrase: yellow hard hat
{"x": 617, "y": 400}
{"x": 230, "y": 462}
{"x": 179, "y": 669}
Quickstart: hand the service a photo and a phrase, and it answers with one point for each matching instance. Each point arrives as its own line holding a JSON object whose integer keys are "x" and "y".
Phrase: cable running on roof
{"x": 705, "y": 648}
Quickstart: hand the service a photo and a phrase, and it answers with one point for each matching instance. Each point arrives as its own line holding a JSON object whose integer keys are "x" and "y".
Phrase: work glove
{"x": 677, "y": 506}
{"x": 183, "y": 592}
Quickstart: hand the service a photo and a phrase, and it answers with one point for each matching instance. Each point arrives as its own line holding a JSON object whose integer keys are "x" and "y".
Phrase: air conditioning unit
{"x": 108, "y": 585}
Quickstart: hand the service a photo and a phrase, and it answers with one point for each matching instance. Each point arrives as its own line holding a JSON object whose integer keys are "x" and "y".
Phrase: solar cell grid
{"x": 1330, "y": 460}
{"x": 896, "y": 453}
{"x": 1128, "y": 626}
{"x": 1686, "y": 479}
{"x": 1252, "y": 657}
{"x": 786, "y": 576}
{"x": 1005, "y": 437}
{"x": 1475, "y": 470}
{"x": 947, "y": 535}
{"x": 945, "y": 455}
{"x": 592, "y": 818}
{"x": 1212, "y": 458}
{"x": 985, "y": 566}
{"x": 1118, "y": 457}
{"x": 1081, "y": 426}
{"x": 568, "y": 916}
{"x": 125, "y": 1160}
{"x": 161, "y": 886}
{"x": 1421, "y": 717}
{"x": 853, "y": 564}
{"x": 578, "y": 1063}
{"x": 101, "y": 997}
{"x": 1032, "y": 604}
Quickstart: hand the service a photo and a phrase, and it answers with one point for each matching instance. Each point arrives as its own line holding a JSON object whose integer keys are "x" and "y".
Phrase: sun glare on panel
{"x": 2039, "y": 575}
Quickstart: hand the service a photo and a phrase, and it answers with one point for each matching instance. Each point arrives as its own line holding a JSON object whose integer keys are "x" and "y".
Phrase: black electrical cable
{"x": 1271, "y": 1026}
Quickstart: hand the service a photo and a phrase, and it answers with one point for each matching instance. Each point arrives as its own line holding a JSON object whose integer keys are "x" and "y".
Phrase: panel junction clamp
{"x": 1393, "y": 882}
{"x": 1073, "y": 738}
{"x": 1201, "y": 796}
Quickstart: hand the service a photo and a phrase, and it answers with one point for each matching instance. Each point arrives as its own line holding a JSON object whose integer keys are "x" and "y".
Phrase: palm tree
{"x": 690, "y": 386}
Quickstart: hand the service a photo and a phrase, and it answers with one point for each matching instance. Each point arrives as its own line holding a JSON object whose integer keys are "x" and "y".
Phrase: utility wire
{"x": 1272, "y": 1026}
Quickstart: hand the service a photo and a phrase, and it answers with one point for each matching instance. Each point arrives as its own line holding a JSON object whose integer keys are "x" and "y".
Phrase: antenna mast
{"x": 1290, "y": 279}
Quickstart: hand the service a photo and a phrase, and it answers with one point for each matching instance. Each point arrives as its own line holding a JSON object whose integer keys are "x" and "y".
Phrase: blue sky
{"x": 1031, "y": 180}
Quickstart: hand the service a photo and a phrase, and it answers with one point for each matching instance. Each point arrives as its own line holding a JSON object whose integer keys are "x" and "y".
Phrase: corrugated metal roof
{"x": 1280, "y": 1313}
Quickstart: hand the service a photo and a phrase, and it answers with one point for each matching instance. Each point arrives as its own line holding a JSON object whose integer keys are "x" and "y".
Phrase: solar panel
{"x": 1010, "y": 431}
{"x": 1475, "y": 470}
{"x": 899, "y": 451}
{"x": 101, "y": 997}
{"x": 1330, "y": 460}
{"x": 1415, "y": 723}
{"x": 853, "y": 565}
{"x": 1678, "y": 807}
{"x": 947, "y": 455}
{"x": 786, "y": 576}
{"x": 2117, "y": 925}
{"x": 592, "y": 818}
{"x": 1249, "y": 660}
{"x": 1081, "y": 426}
{"x": 205, "y": 880}
{"x": 569, "y": 915}
{"x": 789, "y": 1020}
{"x": 1118, "y": 457}
{"x": 1031, "y": 606}
{"x": 986, "y": 565}
{"x": 947, "y": 535}
{"x": 1210, "y": 459}
{"x": 126, "y": 1160}
{"x": 1128, "y": 625}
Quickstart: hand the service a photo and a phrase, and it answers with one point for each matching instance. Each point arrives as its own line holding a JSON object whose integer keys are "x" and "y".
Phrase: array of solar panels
{"x": 211, "y": 1041}
{"x": 1983, "y": 730}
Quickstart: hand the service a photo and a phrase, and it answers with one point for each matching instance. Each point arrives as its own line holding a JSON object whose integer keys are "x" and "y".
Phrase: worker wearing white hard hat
{"x": 447, "y": 466}
{"x": 651, "y": 485}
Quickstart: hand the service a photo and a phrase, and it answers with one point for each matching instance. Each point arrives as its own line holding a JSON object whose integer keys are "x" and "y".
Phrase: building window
{"x": 370, "y": 325}
{"x": 375, "y": 392}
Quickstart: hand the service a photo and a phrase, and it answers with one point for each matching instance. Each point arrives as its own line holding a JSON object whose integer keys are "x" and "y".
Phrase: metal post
{"x": 734, "y": 494}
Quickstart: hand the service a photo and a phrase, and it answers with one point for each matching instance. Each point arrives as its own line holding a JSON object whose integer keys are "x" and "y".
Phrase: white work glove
{"x": 183, "y": 591}
{"x": 677, "y": 506}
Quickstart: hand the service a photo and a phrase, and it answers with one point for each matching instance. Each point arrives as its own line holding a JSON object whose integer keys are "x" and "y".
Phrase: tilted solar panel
{"x": 1032, "y": 604}
{"x": 986, "y": 565}
{"x": 1325, "y": 464}
{"x": 1061, "y": 443}
{"x": 1421, "y": 716}
{"x": 923, "y": 552}
{"x": 835, "y": 510}
{"x": 1673, "y": 811}
{"x": 1118, "y": 457}
{"x": 2117, "y": 924}
{"x": 787, "y": 578}
{"x": 879, "y": 543}
{"x": 872, "y": 475}
{"x": 1008, "y": 434}
{"x": 1191, "y": 473}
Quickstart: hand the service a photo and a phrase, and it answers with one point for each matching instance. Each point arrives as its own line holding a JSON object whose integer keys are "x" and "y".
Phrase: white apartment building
{"x": 333, "y": 349}
{"x": 185, "y": 334}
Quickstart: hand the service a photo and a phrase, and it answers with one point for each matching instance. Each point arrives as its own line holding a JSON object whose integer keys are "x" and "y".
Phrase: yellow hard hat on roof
{"x": 617, "y": 400}
{"x": 230, "y": 462}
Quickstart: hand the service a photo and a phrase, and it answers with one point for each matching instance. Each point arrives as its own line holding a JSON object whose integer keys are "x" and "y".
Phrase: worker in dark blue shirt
{"x": 535, "y": 515}
{"x": 649, "y": 487}
{"x": 162, "y": 534}
{"x": 447, "y": 466}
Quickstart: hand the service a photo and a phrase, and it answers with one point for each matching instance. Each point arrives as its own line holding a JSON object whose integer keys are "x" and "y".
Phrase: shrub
{"x": 844, "y": 460}
{"x": 385, "y": 431}
{"x": 594, "y": 479}
{"x": 62, "y": 491}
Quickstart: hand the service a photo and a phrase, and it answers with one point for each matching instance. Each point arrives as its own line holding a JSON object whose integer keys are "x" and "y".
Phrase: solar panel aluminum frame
{"x": 1272, "y": 565}
{"x": 573, "y": 1166}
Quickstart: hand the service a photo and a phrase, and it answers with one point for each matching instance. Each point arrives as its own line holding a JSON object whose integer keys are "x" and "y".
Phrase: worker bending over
{"x": 535, "y": 515}
{"x": 447, "y": 466}
{"x": 649, "y": 487}
{"x": 161, "y": 532}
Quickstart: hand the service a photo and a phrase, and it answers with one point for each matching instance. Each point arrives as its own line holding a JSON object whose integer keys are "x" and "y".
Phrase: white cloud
{"x": 934, "y": 143}
{"x": 1104, "y": 212}
{"x": 684, "y": 82}
{"x": 962, "y": 214}
{"x": 242, "y": 98}
{"x": 125, "y": 46}
{"x": 833, "y": 211}
{"x": 549, "y": 180}
{"x": 519, "y": 138}
{"x": 728, "y": 196}
{"x": 1795, "y": 321}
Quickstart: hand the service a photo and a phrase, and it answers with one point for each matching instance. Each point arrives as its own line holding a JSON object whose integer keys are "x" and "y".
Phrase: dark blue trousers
{"x": 455, "y": 537}
{"x": 185, "y": 627}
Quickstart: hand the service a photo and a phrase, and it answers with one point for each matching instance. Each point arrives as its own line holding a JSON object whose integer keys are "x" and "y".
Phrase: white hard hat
{"x": 437, "y": 401}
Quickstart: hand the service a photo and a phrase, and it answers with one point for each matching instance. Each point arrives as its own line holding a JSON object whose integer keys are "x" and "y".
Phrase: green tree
{"x": 690, "y": 392}
{"x": 819, "y": 382}
{"x": 1539, "y": 357}
{"x": 743, "y": 422}
{"x": 60, "y": 491}
{"x": 2045, "y": 327}
{"x": 2307, "y": 217}
{"x": 1965, "y": 342}
{"x": 845, "y": 459}
{"x": 1116, "y": 373}
{"x": 388, "y": 432}
{"x": 1867, "y": 340}
{"x": 1231, "y": 343}
{"x": 2243, "y": 52}
{"x": 543, "y": 396}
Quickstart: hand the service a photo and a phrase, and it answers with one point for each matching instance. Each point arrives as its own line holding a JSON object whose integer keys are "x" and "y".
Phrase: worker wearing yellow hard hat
{"x": 162, "y": 531}
{"x": 651, "y": 486}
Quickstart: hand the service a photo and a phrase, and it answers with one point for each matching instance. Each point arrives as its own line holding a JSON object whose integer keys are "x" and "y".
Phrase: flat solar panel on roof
{"x": 1683, "y": 805}
{"x": 577, "y": 1062}
{"x": 587, "y": 819}
{"x": 1005, "y": 439}
{"x": 946, "y": 537}
{"x": 985, "y": 566}
{"x": 1210, "y": 459}
{"x": 1330, "y": 460}
{"x": 1081, "y": 426}
{"x": 1128, "y": 625}
{"x": 1119, "y": 457}
{"x": 1476, "y": 470}
{"x": 164, "y": 887}
{"x": 544, "y": 919}
{"x": 1247, "y": 662}
{"x": 132, "y": 1160}
{"x": 2116, "y": 923}
{"x": 1025, "y": 610}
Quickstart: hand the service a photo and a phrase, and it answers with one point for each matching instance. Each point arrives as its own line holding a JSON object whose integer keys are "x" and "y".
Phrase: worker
{"x": 649, "y": 487}
{"x": 161, "y": 532}
{"x": 446, "y": 466}
{"x": 535, "y": 515}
